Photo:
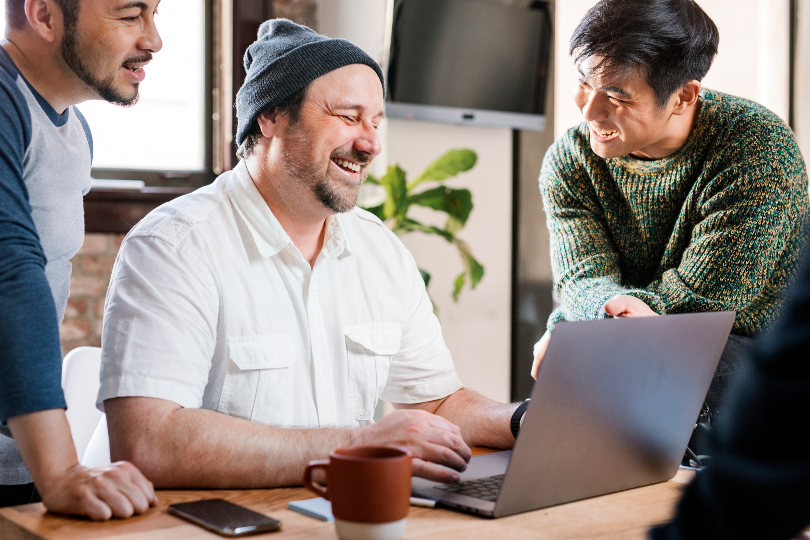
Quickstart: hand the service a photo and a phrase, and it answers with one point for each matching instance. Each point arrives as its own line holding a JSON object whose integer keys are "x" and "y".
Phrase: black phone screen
{"x": 223, "y": 517}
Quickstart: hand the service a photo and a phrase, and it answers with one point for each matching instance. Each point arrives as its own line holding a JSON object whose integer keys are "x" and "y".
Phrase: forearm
{"x": 585, "y": 264}
{"x": 30, "y": 355}
{"x": 584, "y": 299}
{"x": 483, "y": 422}
{"x": 201, "y": 448}
{"x": 67, "y": 487}
{"x": 45, "y": 443}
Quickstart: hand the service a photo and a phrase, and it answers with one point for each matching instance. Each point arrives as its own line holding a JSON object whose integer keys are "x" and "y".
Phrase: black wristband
{"x": 517, "y": 416}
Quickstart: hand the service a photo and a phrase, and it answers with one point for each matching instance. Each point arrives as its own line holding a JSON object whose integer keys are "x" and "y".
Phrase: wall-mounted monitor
{"x": 481, "y": 62}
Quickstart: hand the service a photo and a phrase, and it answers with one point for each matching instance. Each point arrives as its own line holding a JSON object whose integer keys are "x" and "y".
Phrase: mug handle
{"x": 309, "y": 483}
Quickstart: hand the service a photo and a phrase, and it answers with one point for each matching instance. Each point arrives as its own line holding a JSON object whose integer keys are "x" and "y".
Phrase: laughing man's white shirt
{"x": 211, "y": 306}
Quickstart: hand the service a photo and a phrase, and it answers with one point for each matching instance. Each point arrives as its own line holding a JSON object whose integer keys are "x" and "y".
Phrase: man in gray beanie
{"x": 254, "y": 325}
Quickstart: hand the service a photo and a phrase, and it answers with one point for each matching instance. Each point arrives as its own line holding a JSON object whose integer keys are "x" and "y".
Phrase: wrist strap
{"x": 517, "y": 416}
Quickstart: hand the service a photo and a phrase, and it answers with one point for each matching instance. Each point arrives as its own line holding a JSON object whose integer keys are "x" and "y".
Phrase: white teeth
{"x": 606, "y": 133}
{"x": 348, "y": 165}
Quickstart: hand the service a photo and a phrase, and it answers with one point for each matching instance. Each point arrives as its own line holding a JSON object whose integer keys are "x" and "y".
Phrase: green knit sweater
{"x": 718, "y": 225}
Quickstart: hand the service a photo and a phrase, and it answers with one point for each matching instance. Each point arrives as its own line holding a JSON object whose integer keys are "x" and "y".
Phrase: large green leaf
{"x": 450, "y": 164}
{"x": 376, "y": 210}
{"x": 474, "y": 269}
{"x": 425, "y": 277}
{"x": 411, "y": 225}
{"x": 458, "y": 284}
{"x": 396, "y": 203}
{"x": 453, "y": 226}
{"x": 456, "y": 203}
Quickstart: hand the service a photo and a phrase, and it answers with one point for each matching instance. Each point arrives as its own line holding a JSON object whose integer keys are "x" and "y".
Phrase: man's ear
{"x": 686, "y": 96}
{"x": 268, "y": 121}
{"x": 45, "y": 18}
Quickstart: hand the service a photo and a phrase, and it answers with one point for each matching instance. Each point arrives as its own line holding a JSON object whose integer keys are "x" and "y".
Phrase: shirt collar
{"x": 266, "y": 232}
{"x": 336, "y": 243}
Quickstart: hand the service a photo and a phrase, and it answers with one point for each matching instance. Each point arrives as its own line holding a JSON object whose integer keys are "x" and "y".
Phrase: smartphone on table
{"x": 224, "y": 517}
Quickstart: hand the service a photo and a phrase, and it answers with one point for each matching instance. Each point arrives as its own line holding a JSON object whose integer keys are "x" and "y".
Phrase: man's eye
{"x": 131, "y": 19}
{"x": 615, "y": 99}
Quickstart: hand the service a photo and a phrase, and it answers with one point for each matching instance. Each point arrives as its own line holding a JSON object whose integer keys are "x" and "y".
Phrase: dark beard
{"x": 327, "y": 196}
{"x": 324, "y": 191}
{"x": 104, "y": 88}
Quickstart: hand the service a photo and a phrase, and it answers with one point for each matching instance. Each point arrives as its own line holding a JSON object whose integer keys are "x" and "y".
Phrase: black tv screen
{"x": 478, "y": 62}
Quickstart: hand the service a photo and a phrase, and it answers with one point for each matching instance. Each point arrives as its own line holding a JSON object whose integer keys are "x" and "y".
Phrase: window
{"x": 166, "y": 139}
{"x": 166, "y": 130}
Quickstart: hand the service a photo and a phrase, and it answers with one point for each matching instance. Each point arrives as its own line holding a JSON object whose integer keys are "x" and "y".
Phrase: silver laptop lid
{"x": 613, "y": 407}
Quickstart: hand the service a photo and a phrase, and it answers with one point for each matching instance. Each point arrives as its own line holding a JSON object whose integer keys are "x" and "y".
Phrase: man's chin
{"x": 116, "y": 97}
{"x": 602, "y": 152}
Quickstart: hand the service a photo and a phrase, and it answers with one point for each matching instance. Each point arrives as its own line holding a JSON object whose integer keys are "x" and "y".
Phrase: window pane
{"x": 166, "y": 129}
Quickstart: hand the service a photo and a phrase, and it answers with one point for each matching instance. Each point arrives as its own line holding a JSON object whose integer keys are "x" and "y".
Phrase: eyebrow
{"x": 610, "y": 88}
{"x": 129, "y": 5}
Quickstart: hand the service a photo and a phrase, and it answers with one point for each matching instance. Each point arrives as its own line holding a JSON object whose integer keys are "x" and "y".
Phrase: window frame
{"x": 212, "y": 127}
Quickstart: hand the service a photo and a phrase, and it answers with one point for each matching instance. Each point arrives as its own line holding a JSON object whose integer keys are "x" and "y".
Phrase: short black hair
{"x": 291, "y": 107}
{"x": 670, "y": 41}
{"x": 15, "y": 13}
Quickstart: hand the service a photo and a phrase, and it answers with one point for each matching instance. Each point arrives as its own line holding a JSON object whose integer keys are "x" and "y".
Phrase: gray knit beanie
{"x": 285, "y": 58}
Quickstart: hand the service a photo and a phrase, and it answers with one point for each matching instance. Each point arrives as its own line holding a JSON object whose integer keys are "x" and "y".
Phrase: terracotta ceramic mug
{"x": 370, "y": 489}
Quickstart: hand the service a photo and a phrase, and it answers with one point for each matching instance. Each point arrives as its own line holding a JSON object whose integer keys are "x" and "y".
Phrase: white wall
{"x": 478, "y": 328}
{"x": 360, "y": 21}
{"x": 752, "y": 59}
{"x": 801, "y": 111}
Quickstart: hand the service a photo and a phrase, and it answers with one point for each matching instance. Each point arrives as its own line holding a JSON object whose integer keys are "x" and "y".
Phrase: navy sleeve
{"x": 757, "y": 483}
{"x": 87, "y": 132}
{"x": 30, "y": 352}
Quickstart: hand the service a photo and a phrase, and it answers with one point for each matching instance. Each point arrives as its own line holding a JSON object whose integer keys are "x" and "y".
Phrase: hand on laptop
{"x": 621, "y": 305}
{"x": 434, "y": 442}
{"x": 624, "y": 305}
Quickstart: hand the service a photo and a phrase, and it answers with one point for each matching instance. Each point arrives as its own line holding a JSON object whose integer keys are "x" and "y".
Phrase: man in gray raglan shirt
{"x": 45, "y": 157}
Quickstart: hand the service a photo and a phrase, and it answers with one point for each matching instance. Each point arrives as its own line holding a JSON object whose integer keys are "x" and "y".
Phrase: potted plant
{"x": 428, "y": 190}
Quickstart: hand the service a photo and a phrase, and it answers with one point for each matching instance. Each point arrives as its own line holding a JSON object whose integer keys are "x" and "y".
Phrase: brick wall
{"x": 93, "y": 264}
{"x": 88, "y": 285}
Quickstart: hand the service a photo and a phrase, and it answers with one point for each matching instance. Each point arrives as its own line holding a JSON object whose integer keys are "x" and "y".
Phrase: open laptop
{"x": 613, "y": 407}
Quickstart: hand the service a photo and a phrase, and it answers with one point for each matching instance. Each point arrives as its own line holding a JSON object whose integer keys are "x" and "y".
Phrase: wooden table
{"x": 625, "y": 515}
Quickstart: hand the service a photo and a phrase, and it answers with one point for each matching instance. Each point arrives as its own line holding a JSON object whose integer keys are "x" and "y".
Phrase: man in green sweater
{"x": 669, "y": 198}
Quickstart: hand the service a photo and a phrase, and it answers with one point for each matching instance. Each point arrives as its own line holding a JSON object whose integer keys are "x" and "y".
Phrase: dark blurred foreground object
{"x": 758, "y": 481}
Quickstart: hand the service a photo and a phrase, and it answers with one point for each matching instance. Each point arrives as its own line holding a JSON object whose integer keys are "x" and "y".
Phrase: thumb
{"x": 615, "y": 306}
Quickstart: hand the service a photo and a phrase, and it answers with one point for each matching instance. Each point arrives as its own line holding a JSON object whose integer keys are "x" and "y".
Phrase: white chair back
{"x": 97, "y": 452}
{"x": 80, "y": 382}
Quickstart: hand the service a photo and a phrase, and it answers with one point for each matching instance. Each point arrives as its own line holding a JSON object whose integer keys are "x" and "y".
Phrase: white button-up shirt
{"x": 212, "y": 306}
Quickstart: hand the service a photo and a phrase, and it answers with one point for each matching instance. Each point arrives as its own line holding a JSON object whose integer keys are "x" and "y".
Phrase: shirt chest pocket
{"x": 369, "y": 349}
{"x": 258, "y": 381}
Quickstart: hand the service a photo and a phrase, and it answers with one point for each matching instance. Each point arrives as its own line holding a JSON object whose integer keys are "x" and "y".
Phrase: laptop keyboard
{"x": 485, "y": 488}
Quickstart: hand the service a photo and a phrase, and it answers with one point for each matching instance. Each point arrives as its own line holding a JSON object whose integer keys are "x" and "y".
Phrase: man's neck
{"x": 305, "y": 228}
{"x": 45, "y": 70}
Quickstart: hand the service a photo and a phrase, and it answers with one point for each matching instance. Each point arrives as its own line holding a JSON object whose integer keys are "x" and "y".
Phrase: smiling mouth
{"x": 347, "y": 165}
{"x": 605, "y": 133}
{"x": 136, "y": 64}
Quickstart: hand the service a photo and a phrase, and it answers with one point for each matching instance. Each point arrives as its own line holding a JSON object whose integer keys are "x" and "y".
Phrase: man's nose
{"x": 150, "y": 39}
{"x": 368, "y": 141}
{"x": 594, "y": 107}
